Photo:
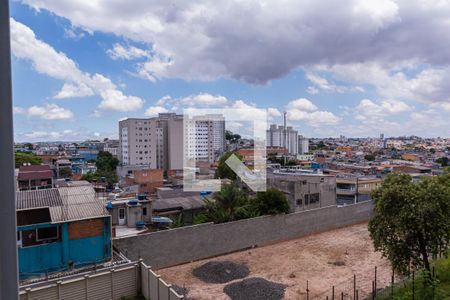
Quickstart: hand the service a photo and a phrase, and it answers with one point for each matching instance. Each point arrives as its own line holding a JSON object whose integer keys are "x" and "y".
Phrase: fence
{"x": 360, "y": 286}
{"x": 185, "y": 244}
{"x": 114, "y": 283}
{"x": 153, "y": 287}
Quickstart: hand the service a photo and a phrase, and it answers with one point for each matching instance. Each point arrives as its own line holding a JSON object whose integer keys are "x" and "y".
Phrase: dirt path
{"x": 324, "y": 259}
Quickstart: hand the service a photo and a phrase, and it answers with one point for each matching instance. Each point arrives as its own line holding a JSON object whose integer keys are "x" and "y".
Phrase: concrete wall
{"x": 114, "y": 283}
{"x": 181, "y": 245}
{"x": 299, "y": 189}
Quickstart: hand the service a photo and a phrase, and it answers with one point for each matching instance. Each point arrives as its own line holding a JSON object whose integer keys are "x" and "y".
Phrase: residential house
{"x": 304, "y": 191}
{"x": 61, "y": 229}
{"x": 353, "y": 189}
{"x": 34, "y": 177}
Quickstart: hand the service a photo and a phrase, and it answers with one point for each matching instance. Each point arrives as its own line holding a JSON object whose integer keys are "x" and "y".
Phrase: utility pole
{"x": 8, "y": 248}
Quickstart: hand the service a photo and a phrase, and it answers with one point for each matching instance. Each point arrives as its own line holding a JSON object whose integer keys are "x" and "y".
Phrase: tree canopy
{"x": 29, "y": 158}
{"x": 106, "y": 169}
{"x": 232, "y": 203}
{"x": 443, "y": 161}
{"x": 65, "y": 172}
{"x": 411, "y": 220}
{"x": 369, "y": 157}
{"x": 223, "y": 170}
{"x": 271, "y": 202}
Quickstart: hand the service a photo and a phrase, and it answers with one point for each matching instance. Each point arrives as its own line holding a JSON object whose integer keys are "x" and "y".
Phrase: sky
{"x": 350, "y": 67}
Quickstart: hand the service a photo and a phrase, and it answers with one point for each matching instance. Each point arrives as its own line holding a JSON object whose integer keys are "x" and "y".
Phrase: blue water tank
{"x": 132, "y": 202}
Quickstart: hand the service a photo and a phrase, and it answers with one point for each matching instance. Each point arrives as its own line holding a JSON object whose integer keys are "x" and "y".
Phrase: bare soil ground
{"x": 323, "y": 259}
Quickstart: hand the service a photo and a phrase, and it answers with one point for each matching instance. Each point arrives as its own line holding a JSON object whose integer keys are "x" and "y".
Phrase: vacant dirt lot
{"x": 324, "y": 259}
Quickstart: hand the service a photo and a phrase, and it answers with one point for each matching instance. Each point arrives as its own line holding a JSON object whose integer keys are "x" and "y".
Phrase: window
{"x": 144, "y": 211}
{"x": 47, "y": 233}
{"x": 313, "y": 198}
{"x": 121, "y": 213}
{"x": 299, "y": 202}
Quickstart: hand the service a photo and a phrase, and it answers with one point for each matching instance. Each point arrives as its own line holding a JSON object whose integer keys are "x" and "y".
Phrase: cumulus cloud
{"x": 428, "y": 85}
{"x": 153, "y": 111}
{"x": 204, "y": 99}
{"x": 46, "y": 112}
{"x": 80, "y": 134}
{"x": 192, "y": 38}
{"x": 127, "y": 52}
{"x": 46, "y": 60}
{"x": 370, "y": 112}
{"x": 323, "y": 84}
{"x": 304, "y": 110}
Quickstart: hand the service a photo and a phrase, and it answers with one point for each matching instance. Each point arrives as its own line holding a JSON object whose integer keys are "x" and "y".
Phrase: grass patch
{"x": 438, "y": 289}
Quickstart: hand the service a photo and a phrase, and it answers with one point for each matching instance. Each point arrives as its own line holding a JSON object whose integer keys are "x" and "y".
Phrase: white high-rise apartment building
{"x": 157, "y": 142}
{"x": 205, "y": 137}
{"x": 282, "y": 136}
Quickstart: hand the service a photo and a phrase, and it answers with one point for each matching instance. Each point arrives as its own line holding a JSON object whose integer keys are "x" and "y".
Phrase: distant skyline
{"x": 353, "y": 68}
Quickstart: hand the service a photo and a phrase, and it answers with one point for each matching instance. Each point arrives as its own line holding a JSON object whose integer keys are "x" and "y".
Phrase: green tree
{"x": 227, "y": 200}
{"x": 106, "y": 162}
{"x": 411, "y": 220}
{"x": 443, "y": 161}
{"x": 369, "y": 157}
{"x": 271, "y": 202}
{"x": 65, "y": 172}
{"x": 22, "y": 158}
{"x": 223, "y": 170}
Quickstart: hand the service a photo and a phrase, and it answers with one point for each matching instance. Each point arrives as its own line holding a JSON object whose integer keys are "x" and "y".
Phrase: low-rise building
{"x": 147, "y": 180}
{"x": 34, "y": 177}
{"x": 130, "y": 212}
{"x": 60, "y": 229}
{"x": 350, "y": 190}
{"x": 304, "y": 191}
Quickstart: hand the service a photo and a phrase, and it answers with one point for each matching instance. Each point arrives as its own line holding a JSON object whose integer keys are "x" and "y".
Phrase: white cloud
{"x": 127, "y": 52}
{"x": 153, "y": 111}
{"x": 204, "y": 99}
{"x": 73, "y": 33}
{"x": 70, "y": 90}
{"x": 382, "y": 109}
{"x": 46, "y": 60}
{"x": 80, "y": 134}
{"x": 302, "y": 104}
{"x": 163, "y": 100}
{"x": 194, "y": 37}
{"x": 46, "y": 112}
{"x": 273, "y": 112}
{"x": 429, "y": 85}
{"x": 323, "y": 84}
{"x": 304, "y": 110}
{"x": 400, "y": 47}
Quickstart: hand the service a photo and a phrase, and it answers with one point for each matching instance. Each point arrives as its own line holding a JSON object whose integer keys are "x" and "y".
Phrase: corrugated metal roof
{"x": 65, "y": 203}
{"x": 193, "y": 202}
{"x": 38, "y": 198}
{"x": 79, "y": 202}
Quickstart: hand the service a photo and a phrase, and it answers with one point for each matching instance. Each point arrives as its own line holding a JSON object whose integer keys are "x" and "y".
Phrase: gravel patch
{"x": 220, "y": 271}
{"x": 255, "y": 289}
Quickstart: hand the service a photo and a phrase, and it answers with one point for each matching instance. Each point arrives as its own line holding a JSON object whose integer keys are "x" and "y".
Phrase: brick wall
{"x": 87, "y": 228}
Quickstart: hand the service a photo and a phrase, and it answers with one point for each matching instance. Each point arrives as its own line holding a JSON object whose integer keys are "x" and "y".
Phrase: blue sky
{"x": 352, "y": 69}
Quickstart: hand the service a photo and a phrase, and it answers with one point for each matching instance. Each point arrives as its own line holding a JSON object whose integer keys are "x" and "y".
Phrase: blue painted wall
{"x": 56, "y": 256}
